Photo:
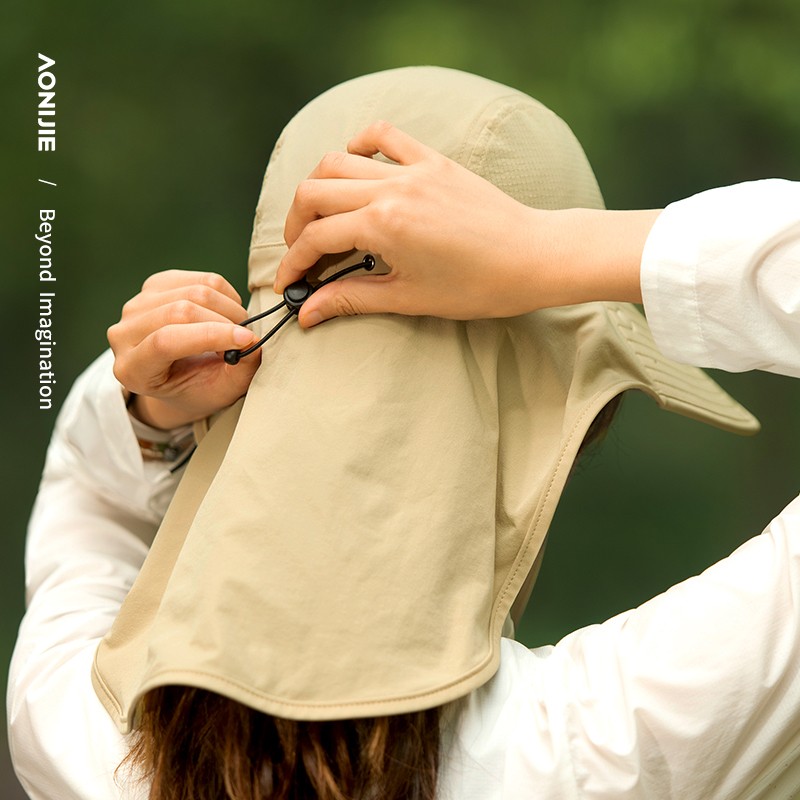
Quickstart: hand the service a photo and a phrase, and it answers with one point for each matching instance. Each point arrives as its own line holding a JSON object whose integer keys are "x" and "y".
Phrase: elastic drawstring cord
{"x": 294, "y": 296}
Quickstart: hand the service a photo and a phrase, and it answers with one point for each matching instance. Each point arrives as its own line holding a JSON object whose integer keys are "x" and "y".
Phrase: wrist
{"x": 582, "y": 255}
{"x": 156, "y": 442}
{"x": 156, "y": 413}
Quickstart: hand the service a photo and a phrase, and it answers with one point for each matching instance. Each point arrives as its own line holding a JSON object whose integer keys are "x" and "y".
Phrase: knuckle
{"x": 288, "y": 230}
{"x": 389, "y": 216}
{"x": 374, "y": 215}
{"x": 381, "y": 127}
{"x": 161, "y": 341}
{"x": 302, "y": 194}
{"x": 406, "y": 186}
{"x": 331, "y": 162}
{"x": 200, "y": 294}
{"x": 302, "y": 191}
{"x": 312, "y": 233}
{"x": 213, "y": 282}
{"x": 112, "y": 334}
{"x": 121, "y": 372}
{"x": 181, "y": 311}
{"x": 156, "y": 278}
{"x": 129, "y": 306}
{"x": 346, "y": 305}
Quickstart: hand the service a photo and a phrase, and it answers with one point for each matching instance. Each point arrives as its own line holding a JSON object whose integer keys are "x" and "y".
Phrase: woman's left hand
{"x": 168, "y": 348}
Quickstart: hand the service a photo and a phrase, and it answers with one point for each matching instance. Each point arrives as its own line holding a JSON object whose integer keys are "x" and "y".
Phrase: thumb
{"x": 347, "y": 298}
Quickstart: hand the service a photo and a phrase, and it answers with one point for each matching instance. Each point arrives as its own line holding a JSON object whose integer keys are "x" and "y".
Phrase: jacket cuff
{"x": 94, "y": 437}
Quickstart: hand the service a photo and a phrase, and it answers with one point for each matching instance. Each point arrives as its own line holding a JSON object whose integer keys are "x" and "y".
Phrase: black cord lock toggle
{"x": 294, "y": 296}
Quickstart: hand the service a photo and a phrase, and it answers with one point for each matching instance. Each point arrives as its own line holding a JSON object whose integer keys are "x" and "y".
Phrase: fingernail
{"x": 312, "y": 318}
{"x": 242, "y": 335}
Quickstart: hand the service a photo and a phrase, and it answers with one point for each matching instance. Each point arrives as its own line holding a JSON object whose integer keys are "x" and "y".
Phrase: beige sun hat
{"x": 348, "y": 540}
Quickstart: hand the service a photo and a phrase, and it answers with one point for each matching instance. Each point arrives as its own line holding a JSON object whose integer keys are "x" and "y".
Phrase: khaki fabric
{"x": 349, "y": 539}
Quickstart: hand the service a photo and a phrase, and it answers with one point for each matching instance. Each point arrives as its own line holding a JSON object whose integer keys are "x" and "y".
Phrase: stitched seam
{"x": 343, "y": 704}
{"x": 523, "y": 553}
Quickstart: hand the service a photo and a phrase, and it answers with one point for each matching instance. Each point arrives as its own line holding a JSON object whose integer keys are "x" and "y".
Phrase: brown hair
{"x": 192, "y": 744}
{"x": 599, "y": 427}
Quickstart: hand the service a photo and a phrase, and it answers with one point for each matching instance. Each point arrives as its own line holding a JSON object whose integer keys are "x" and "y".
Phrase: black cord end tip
{"x": 232, "y": 356}
{"x": 369, "y": 262}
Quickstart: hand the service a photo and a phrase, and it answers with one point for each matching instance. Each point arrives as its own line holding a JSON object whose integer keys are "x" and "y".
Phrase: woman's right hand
{"x": 457, "y": 246}
{"x": 168, "y": 348}
{"x": 441, "y": 228}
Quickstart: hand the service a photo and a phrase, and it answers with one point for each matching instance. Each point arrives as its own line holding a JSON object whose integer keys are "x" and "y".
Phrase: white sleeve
{"x": 96, "y": 512}
{"x": 721, "y": 278}
{"x": 696, "y": 694}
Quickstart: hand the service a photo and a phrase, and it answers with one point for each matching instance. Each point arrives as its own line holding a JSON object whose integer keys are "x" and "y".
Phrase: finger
{"x": 362, "y": 295}
{"x": 345, "y": 165}
{"x": 336, "y": 234}
{"x": 175, "y": 278}
{"x": 317, "y": 198}
{"x": 130, "y": 332}
{"x": 200, "y": 294}
{"x": 173, "y": 342}
{"x": 382, "y": 137}
{"x": 147, "y": 365}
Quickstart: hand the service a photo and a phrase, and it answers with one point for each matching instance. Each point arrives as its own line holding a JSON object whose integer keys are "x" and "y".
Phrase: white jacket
{"x": 695, "y": 694}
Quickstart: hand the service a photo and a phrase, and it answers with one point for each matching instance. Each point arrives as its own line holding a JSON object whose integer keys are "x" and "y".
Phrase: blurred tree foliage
{"x": 166, "y": 114}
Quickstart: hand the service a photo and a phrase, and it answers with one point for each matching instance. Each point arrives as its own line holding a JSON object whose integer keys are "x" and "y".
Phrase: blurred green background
{"x": 166, "y": 117}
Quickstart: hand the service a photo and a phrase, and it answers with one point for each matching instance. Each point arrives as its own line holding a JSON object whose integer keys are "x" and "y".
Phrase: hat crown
{"x": 499, "y": 133}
